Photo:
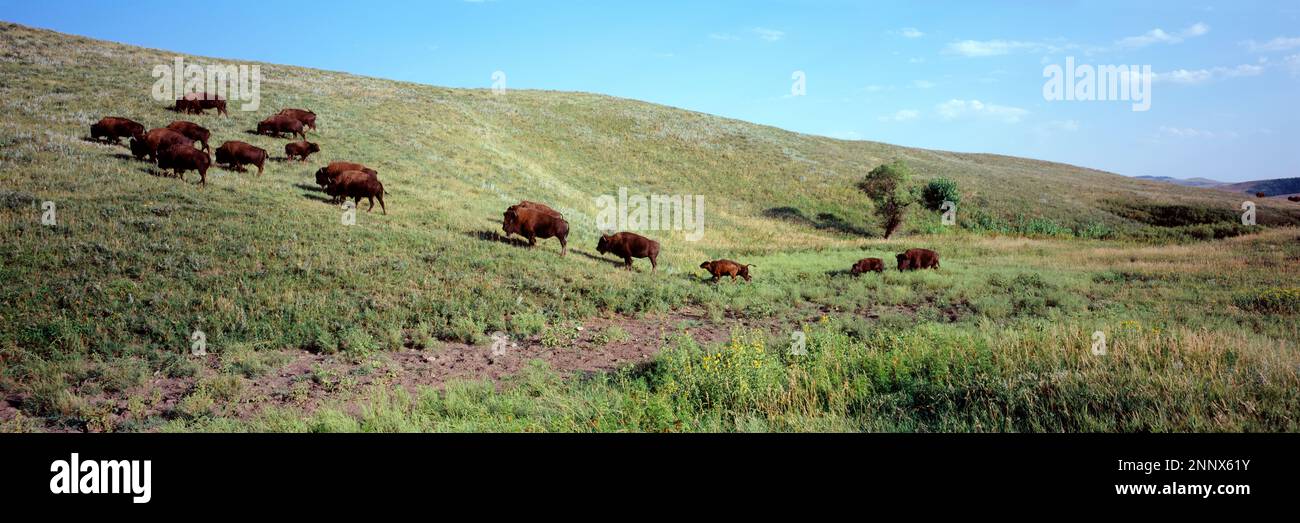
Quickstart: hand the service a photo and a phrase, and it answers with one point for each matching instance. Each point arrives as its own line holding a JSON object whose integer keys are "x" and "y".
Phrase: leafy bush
{"x": 938, "y": 191}
{"x": 1276, "y": 300}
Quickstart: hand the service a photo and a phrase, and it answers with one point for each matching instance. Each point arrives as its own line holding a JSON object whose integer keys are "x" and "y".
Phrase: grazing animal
{"x": 720, "y": 268}
{"x": 148, "y": 144}
{"x": 279, "y": 125}
{"x": 1293, "y": 198}
{"x": 192, "y": 131}
{"x": 358, "y": 185}
{"x": 237, "y": 154}
{"x": 628, "y": 245}
{"x": 1261, "y": 195}
{"x": 115, "y": 128}
{"x": 525, "y": 204}
{"x": 913, "y": 259}
{"x": 535, "y": 220}
{"x": 307, "y": 118}
{"x": 868, "y": 265}
{"x": 301, "y": 149}
{"x": 196, "y": 103}
{"x": 184, "y": 157}
{"x": 326, "y": 175}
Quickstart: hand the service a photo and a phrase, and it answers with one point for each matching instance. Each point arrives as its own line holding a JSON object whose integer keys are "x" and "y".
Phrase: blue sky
{"x": 963, "y": 76}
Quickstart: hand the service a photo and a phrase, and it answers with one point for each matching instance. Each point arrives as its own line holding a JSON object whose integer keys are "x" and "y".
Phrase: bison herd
{"x": 183, "y": 146}
{"x": 174, "y": 147}
{"x": 534, "y": 220}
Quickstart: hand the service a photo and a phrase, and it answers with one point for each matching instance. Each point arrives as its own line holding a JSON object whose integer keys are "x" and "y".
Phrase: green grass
{"x": 100, "y": 304}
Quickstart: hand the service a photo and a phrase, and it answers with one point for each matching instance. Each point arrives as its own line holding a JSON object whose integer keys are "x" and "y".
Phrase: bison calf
{"x": 628, "y": 245}
{"x": 868, "y": 265}
{"x": 115, "y": 128}
{"x": 913, "y": 259}
{"x": 720, "y": 268}
{"x": 237, "y": 154}
{"x": 301, "y": 150}
{"x": 358, "y": 185}
{"x": 182, "y": 157}
{"x": 534, "y": 220}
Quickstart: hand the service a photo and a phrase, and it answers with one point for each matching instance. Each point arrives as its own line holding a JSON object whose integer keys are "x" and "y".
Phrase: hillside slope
{"x": 107, "y": 300}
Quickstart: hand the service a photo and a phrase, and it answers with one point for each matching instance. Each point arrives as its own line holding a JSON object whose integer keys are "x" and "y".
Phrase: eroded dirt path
{"x": 306, "y": 380}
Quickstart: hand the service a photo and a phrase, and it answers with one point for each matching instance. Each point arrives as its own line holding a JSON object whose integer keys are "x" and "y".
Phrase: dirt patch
{"x": 306, "y": 380}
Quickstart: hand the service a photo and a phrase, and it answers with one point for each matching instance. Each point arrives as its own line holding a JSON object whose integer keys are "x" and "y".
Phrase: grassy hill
{"x": 99, "y": 308}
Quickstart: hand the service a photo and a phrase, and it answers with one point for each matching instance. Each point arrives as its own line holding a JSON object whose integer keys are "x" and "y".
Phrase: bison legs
{"x": 564, "y": 246}
{"x": 654, "y": 264}
{"x": 627, "y": 262}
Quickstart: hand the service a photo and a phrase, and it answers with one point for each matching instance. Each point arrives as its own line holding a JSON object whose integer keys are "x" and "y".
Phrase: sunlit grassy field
{"x": 98, "y": 310}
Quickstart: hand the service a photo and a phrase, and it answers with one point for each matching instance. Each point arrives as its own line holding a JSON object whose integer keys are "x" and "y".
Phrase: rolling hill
{"x": 101, "y": 309}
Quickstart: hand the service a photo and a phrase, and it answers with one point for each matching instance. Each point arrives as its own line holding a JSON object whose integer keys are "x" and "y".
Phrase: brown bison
{"x": 301, "y": 150}
{"x": 358, "y": 185}
{"x": 533, "y": 221}
{"x": 192, "y": 131}
{"x": 720, "y": 268}
{"x": 525, "y": 204}
{"x": 279, "y": 125}
{"x": 184, "y": 157}
{"x": 237, "y": 154}
{"x": 1261, "y": 195}
{"x": 148, "y": 144}
{"x": 307, "y": 118}
{"x": 196, "y": 103}
{"x": 628, "y": 245}
{"x": 868, "y": 265}
{"x": 913, "y": 259}
{"x": 1293, "y": 198}
{"x": 115, "y": 128}
{"x": 326, "y": 175}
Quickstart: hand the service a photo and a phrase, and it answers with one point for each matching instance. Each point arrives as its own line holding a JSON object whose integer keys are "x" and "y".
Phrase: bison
{"x": 358, "y": 185}
{"x": 196, "y": 103}
{"x": 237, "y": 154}
{"x": 148, "y": 144}
{"x": 192, "y": 131}
{"x": 279, "y": 125}
{"x": 868, "y": 265}
{"x": 1293, "y": 198}
{"x": 183, "y": 157}
{"x": 720, "y": 268}
{"x": 534, "y": 221}
{"x": 307, "y": 118}
{"x": 628, "y": 245}
{"x": 326, "y": 175}
{"x": 115, "y": 128}
{"x": 1261, "y": 195}
{"x": 913, "y": 259}
{"x": 301, "y": 149}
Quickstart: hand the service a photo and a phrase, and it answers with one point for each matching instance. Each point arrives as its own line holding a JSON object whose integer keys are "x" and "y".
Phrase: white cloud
{"x": 1293, "y": 63}
{"x": 770, "y": 35}
{"x": 1159, "y": 36}
{"x": 1200, "y": 76}
{"x": 954, "y": 109}
{"x": 901, "y": 116}
{"x": 978, "y": 48}
{"x": 723, "y": 36}
{"x": 1280, "y": 43}
{"x": 910, "y": 32}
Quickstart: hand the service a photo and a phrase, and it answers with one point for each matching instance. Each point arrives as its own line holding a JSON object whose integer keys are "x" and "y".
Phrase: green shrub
{"x": 938, "y": 191}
